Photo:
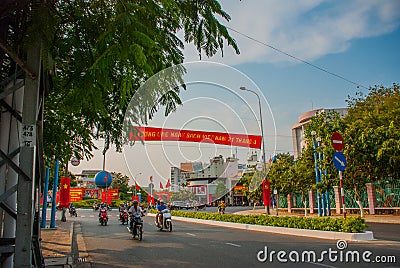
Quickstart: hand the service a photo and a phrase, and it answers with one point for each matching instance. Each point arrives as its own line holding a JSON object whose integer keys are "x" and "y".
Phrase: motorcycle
{"x": 72, "y": 211}
{"x": 124, "y": 217}
{"x": 103, "y": 217}
{"x": 137, "y": 230}
{"x": 165, "y": 221}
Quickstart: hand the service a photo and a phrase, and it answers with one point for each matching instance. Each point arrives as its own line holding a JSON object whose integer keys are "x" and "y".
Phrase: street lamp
{"x": 262, "y": 132}
{"x": 317, "y": 175}
{"x": 134, "y": 178}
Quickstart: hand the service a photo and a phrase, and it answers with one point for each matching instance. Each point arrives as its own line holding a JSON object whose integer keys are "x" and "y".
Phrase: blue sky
{"x": 356, "y": 39}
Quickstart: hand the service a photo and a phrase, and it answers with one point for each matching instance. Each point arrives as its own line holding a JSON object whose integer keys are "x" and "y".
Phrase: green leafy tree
{"x": 245, "y": 181}
{"x": 304, "y": 176}
{"x": 373, "y": 134}
{"x": 372, "y": 138}
{"x": 104, "y": 51}
{"x": 120, "y": 182}
{"x": 281, "y": 174}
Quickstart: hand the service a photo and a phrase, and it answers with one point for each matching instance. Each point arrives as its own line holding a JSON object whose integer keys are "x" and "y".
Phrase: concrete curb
{"x": 368, "y": 235}
{"x": 70, "y": 261}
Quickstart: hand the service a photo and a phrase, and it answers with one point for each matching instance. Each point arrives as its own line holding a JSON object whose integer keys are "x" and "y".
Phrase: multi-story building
{"x": 299, "y": 127}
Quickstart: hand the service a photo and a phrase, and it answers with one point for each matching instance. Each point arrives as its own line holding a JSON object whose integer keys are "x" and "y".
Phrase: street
{"x": 197, "y": 245}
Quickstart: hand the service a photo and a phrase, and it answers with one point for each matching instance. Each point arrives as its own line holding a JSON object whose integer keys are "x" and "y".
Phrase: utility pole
{"x": 25, "y": 198}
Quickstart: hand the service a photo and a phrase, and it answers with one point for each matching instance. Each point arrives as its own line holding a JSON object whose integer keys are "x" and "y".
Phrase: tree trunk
{"x": 361, "y": 208}
{"x": 305, "y": 208}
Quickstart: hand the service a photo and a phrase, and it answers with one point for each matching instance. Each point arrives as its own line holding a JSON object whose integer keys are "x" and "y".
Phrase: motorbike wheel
{"x": 105, "y": 223}
{"x": 140, "y": 233}
{"x": 101, "y": 223}
{"x": 169, "y": 226}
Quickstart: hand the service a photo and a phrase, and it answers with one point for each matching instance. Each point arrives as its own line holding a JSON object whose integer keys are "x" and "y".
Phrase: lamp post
{"x": 317, "y": 175}
{"x": 262, "y": 133}
{"x": 134, "y": 178}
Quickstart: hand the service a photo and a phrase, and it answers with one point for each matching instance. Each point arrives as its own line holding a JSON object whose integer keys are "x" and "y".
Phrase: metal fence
{"x": 387, "y": 195}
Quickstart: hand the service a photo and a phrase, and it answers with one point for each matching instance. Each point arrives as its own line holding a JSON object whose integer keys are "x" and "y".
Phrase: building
{"x": 175, "y": 179}
{"x": 299, "y": 127}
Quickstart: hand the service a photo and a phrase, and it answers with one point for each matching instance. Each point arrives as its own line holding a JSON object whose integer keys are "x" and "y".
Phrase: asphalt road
{"x": 197, "y": 245}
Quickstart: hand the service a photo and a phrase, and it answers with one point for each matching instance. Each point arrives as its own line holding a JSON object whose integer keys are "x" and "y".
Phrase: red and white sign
{"x": 165, "y": 134}
{"x": 337, "y": 141}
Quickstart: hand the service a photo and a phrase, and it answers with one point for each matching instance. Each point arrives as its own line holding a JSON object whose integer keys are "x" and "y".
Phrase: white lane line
{"x": 190, "y": 234}
{"x": 91, "y": 216}
{"x": 235, "y": 245}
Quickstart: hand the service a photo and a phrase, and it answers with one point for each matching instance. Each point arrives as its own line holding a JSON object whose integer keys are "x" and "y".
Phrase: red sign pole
{"x": 338, "y": 145}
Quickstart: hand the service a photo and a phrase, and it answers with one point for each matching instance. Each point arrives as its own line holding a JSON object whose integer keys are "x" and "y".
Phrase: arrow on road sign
{"x": 339, "y": 161}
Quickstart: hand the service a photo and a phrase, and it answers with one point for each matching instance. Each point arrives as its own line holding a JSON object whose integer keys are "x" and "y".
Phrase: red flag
{"x": 266, "y": 187}
{"x": 64, "y": 192}
{"x": 168, "y": 184}
{"x": 137, "y": 187}
{"x": 151, "y": 178}
{"x": 161, "y": 185}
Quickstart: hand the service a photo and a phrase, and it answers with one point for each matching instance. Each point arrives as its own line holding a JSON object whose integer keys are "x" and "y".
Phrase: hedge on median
{"x": 348, "y": 225}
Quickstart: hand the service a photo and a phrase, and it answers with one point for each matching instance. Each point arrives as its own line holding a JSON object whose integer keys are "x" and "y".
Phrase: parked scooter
{"x": 165, "y": 221}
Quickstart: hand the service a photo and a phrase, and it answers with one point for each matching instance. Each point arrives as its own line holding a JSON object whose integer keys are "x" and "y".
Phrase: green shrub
{"x": 348, "y": 225}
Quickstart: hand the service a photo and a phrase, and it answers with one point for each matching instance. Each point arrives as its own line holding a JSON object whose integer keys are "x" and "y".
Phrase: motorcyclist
{"x": 102, "y": 209}
{"x": 134, "y": 210}
{"x": 160, "y": 208}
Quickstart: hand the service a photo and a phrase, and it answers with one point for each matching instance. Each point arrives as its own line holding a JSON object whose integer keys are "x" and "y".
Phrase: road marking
{"x": 190, "y": 234}
{"x": 91, "y": 216}
{"x": 235, "y": 245}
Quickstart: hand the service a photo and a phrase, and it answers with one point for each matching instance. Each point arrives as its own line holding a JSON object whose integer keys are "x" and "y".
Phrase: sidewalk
{"x": 57, "y": 244}
{"x": 393, "y": 219}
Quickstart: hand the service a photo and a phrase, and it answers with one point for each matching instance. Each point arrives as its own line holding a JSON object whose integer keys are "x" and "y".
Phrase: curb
{"x": 366, "y": 236}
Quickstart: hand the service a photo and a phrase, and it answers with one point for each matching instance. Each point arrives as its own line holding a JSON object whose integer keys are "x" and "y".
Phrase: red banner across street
{"x": 166, "y": 134}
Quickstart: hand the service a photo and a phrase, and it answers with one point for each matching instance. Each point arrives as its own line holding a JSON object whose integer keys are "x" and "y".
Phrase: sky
{"x": 355, "y": 43}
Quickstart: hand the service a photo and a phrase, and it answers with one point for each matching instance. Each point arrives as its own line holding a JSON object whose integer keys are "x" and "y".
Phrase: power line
{"x": 298, "y": 59}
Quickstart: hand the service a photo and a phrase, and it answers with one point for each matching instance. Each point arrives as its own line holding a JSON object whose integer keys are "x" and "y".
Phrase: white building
{"x": 299, "y": 127}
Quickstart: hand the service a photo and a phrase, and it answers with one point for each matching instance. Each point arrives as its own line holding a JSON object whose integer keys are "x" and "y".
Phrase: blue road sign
{"x": 339, "y": 161}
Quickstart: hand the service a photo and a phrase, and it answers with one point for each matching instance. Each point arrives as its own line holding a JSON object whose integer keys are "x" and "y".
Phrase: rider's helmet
{"x": 161, "y": 201}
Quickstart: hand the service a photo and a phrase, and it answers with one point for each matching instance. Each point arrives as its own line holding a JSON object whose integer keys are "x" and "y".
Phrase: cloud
{"x": 307, "y": 29}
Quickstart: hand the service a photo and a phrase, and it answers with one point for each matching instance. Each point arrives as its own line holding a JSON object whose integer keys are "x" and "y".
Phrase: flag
{"x": 168, "y": 184}
{"x": 151, "y": 178}
{"x": 266, "y": 188}
{"x": 161, "y": 187}
{"x": 137, "y": 187}
{"x": 64, "y": 192}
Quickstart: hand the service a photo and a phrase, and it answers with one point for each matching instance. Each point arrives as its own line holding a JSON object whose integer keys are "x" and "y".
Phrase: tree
{"x": 373, "y": 134}
{"x": 281, "y": 174}
{"x": 120, "y": 182}
{"x": 245, "y": 181}
{"x": 104, "y": 51}
{"x": 372, "y": 138}
{"x": 304, "y": 176}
